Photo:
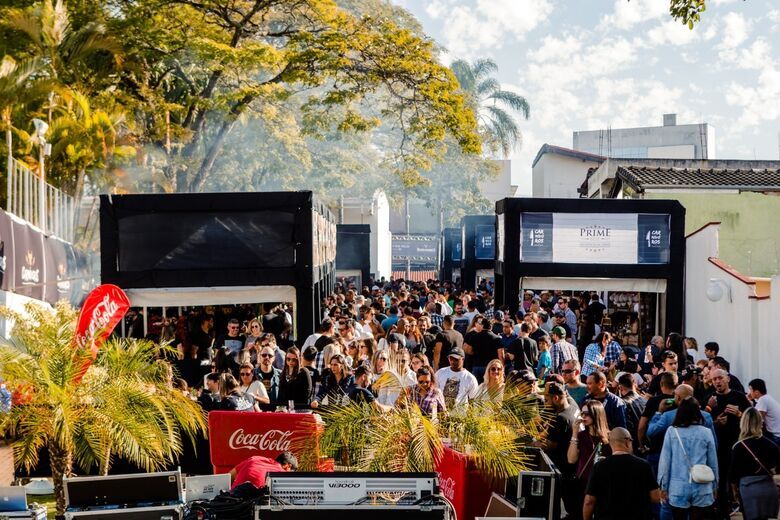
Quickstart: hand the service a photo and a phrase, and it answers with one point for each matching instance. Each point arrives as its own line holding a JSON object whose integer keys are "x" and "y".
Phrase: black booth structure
{"x": 478, "y": 259}
{"x": 632, "y": 252}
{"x": 353, "y": 254}
{"x": 192, "y": 249}
{"x": 451, "y": 252}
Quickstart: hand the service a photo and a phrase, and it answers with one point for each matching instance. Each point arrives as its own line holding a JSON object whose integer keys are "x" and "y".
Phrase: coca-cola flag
{"x": 103, "y": 308}
{"x": 236, "y": 436}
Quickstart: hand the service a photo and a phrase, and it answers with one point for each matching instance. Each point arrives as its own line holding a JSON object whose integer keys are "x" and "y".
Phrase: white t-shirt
{"x": 458, "y": 387}
{"x": 255, "y": 389}
{"x": 767, "y": 403}
{"x": 311, "y": 340}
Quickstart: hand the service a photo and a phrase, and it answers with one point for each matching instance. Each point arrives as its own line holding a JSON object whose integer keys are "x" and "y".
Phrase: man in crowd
{"x": 613, "y": 405}
{"x": 622, "y": 485}
{"x": 233, "y": 341}
{"x": 726, "y": 407}
{"x": 569, "y": 316}
{"x": 669, "y": 364}
{"x": 652, "y": 447}
{"x": 528, "y": 346}
{"x": 574, "y": 385}
{"x": 635, "y": 405}
{"x": 561, "y": 350}
{"x": 202, "y": 336}
{"x": 445, "y": 341}
{"x": 392, "y": 318}
{"x": 556, "y": 442}
{"x": 209, "y": 397}
{"x": 254, "y": 469}
{"x": 651, "y": 353}
{"x": 767, "y": 406}
{"x": 482, "y": 347}
{"x": 734, "y": 382}
{"x": 457, "y": 384}
{"x": 711, "y": 349}
{"x": 664, "y": 417}
{"x": 269, "y": 375}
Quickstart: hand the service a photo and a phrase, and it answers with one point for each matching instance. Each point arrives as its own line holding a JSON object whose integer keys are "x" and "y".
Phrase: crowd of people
{"x": 664, "y": 431}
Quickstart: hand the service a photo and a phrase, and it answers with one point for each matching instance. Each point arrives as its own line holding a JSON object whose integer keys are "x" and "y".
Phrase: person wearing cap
{"x": 561, "y": 350}
{"x": 559, "y": 320}
{"x": 458, "y": 385}
{"x": 622, "y": 485}
{"x": 482, "y": 346}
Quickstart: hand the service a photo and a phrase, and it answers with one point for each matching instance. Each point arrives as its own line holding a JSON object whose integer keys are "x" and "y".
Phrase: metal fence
{"x": 24, "y": 202}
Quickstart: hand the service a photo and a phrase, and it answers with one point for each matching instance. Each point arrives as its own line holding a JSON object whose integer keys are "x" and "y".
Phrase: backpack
{"x": 236, "y": 504}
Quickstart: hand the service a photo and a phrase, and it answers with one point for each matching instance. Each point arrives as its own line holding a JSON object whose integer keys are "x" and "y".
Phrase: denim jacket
{"x": 674, "y": 467}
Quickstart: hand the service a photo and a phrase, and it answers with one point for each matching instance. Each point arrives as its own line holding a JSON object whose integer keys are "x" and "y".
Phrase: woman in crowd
{"x": 336, "y": 383}
{"x": 419, "y": 360}
{"x": 426, "y": 394}
{"x": 589, "y": 443}
{"x": 492, "y": 389}
{"x": 413, "y": 335}
{"x": 692, "y": 348}
{"x": 295, "y": 384}
{"x": 352, "y": 354}
{"x": 688, "y": 443}
{"x": 231, "y": 398}
{"x": 403, "y": 360}
{"x": 253, "y": 332}
{"x": 249, "y": 384}
{"x": 754, "y": 460}
{"x": 366, "y": 349}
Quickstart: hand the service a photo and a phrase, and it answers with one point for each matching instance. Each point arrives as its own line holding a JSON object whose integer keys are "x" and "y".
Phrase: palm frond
{"x": 486, "y": 87}
{"x": 514, "y": 101}
{"x": 502, "y": 128}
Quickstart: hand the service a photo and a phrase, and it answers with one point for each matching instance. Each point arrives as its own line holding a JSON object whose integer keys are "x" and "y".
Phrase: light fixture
{"x": 715, "y": 289}
{"x": 41, "y": 127}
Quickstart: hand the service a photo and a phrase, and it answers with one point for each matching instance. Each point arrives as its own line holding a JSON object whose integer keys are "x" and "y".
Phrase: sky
{"x": 589, "y": 65}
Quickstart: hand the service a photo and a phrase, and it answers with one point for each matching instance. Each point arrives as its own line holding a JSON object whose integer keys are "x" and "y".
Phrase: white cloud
{"x": 735, "y": 30}
{"x": 758, "y": 101}
{"x": 628, "y": 14}
{"x": 672, "y": 33}
{"x": 488, "y": 25}
{"x": 723, "y": 2}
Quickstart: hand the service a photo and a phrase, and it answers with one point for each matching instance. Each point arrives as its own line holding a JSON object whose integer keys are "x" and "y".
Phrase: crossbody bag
{"x": 698, "y": 473}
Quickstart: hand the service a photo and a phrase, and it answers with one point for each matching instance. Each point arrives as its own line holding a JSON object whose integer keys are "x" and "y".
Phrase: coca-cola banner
{"x": 464, "y": 485}
{"x": 236, "y": 436}
{"x": 102, "y": 311}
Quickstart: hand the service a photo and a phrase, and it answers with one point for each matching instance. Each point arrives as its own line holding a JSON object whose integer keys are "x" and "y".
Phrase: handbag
{"x": 768, "y": 473}
{"x": 698, "y": 473}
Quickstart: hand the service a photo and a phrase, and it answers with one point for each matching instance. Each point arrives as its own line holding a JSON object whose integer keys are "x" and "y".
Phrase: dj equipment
{"x": 538, "y": 490}
{"x": 206, "y": 487}
{"x": 343, "y": 488}
{"x": 138, "y": 496}
{"x": 136, "y": 489}
{"x": 323, "y": 496}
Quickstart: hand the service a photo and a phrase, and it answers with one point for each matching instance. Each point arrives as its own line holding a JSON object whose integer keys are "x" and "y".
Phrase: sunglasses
{"x": 246, "y": 374}
{"x": 266, "y": 356}
{"x": 423, "y": 382}
{"x": 495, "y": 369}
{"x": 255, "y": 326}
{"x": 568, "y": 371}
{"x": 291, "y": 359}
{"x": 585, "y": 413}
{"x": 383, "y": 359}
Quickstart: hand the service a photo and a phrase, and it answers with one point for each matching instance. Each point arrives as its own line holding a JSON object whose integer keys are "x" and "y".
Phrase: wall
{"x": 743, "y": 326}
{"x": 500, "y": 186}
{"x": 749, "y": 230}
{"x": 559, "y": 176}
{"x": 634, "y": 142}
{"x": 375, "y": 213}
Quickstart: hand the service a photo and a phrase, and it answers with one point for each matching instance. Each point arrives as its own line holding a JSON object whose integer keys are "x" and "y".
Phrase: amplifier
{"x": 437, "y": 512}
{"x": 33, "y": 512}
{"x": 135, "y": 489}
{"x": 173, "y": 512}
{"x": 347, "y": 488}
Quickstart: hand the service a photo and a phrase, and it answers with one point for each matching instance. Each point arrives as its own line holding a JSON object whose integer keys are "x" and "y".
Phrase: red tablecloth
{"x": 463, "y": 485}
{"x": 236, "y": 436}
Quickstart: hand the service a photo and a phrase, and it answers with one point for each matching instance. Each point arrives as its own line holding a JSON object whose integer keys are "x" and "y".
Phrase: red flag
{"x": 103, "y": 309}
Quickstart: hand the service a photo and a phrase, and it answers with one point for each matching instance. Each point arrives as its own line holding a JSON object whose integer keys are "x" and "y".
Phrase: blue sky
{"x": 593, "y": 64}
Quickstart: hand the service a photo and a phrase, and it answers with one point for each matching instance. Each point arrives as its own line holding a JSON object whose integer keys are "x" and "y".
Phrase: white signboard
{"x": 595, "y": 238}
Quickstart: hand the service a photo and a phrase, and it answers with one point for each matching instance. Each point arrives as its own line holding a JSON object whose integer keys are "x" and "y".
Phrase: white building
{"x": 670, "y": 141}
{"x": 375, "y": 213}
{"x": 558, "y": 172}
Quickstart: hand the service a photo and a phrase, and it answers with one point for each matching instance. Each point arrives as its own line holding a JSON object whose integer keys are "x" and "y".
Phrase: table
{"x": 236, "y": 436}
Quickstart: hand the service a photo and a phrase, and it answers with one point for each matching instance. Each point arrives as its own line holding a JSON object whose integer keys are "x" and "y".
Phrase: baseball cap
{"x": 525, "y": 375}
{"x": 559, "y": 331}
{"x": 559, "y": 314}
{"x": 457, "y": 353}
{"x": 375, "y": 288}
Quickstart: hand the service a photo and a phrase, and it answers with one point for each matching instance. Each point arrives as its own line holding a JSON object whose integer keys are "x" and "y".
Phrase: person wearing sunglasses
{"x": 336, "y": 383}
{"x": 233, "y": 341}
{"x": 492, "y": 389}
{"x": 248, "y": 384}
{"x": 295, "y": 384}
{"x": 233, "y": 399}
{"x": 589, "y": 443}
{"x": 269, "y": 375}
{"x": 255, "y": 330}
{"x": 426, "y": 395}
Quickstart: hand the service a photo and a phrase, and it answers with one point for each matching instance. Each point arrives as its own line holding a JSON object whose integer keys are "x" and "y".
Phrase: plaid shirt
{"x": 561, "y": 352}
{"x": 437, "y": 319}
{"x": 613, "y": 352}
{"x": 319, "y": 361}
{"x": 427, "y": 401}
{"x": 592, "y": 355}
{"x": 489, "y": 313}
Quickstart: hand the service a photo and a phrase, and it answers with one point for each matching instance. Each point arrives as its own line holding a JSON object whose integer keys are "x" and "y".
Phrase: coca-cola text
{"x": 272, "y": 440}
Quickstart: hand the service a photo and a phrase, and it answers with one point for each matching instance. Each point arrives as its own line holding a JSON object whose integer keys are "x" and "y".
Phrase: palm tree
{"x": 123, "y": 407}
{"x": 492, "y": 104}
